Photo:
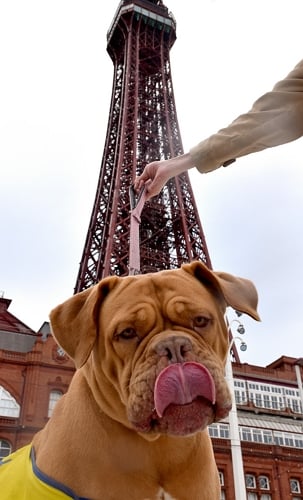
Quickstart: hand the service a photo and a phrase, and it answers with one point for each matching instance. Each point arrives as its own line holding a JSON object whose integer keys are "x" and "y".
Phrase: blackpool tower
{"x": 142, "y": 126}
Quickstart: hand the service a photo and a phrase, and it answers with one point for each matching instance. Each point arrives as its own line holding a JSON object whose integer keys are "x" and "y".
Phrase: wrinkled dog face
{"x": 158, "y": 352}
{"x": 169, "y": 327}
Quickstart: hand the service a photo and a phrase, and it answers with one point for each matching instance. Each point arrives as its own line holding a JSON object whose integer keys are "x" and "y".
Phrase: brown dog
{"x": 150, "y": 352}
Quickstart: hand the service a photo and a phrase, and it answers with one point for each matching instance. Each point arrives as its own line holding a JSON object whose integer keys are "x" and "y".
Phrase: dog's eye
{"x": 201, "y": 321}
{"x": 127, "y": 334}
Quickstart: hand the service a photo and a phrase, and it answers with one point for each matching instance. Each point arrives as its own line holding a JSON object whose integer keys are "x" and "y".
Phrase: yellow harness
{"x": 20, "y": 479}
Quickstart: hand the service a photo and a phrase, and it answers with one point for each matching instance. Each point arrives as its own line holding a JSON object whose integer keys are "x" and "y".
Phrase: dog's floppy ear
{"x": 74, "y": 323}
{"x": 238, "y": 293}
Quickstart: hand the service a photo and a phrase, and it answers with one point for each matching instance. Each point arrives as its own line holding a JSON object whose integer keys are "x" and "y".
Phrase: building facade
{"x": 270, "y": 424}
{"x": 34, "y": 373}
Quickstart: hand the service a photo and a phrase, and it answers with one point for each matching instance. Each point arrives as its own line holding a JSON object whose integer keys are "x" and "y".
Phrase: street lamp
{"x": 235, "y": 442}
{"x": 243, "y": 345}
{"x": 298, "y": 363}
{"x": 240, "y": 328}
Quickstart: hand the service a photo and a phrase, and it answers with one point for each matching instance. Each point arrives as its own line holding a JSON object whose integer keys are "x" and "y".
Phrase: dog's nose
{"x": 174, "y": 348}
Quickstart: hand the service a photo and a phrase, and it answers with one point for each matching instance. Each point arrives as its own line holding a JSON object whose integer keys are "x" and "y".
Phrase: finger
{"x": 151, "y": 189}
{"x": 138, "y": 184}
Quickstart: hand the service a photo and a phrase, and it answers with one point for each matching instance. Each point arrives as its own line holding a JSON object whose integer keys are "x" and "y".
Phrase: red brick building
{"x": 270, "y": 418}
{"x": 34, "y": 373}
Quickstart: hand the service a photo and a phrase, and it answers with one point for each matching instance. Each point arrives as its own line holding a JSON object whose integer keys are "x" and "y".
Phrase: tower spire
{"x": 142, "y": 127}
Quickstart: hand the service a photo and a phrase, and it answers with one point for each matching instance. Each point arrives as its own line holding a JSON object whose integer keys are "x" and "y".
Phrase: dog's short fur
{"x": 121, "y": 431}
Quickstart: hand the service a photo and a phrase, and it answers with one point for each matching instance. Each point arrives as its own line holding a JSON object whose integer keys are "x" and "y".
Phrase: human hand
{"x": 153, "y": 178}
{"x": 156, "y": 174}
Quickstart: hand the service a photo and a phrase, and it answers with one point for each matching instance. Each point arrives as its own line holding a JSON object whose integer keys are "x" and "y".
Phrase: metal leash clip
{"x": 134, "y": 197}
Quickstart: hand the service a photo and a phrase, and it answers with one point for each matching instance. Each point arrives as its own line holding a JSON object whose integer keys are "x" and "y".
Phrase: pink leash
{"x": 136, "y": 205}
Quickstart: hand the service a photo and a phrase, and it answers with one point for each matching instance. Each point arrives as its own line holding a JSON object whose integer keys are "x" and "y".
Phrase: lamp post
{"x": 235, "y": 442}
{"x": 298, "y": 364}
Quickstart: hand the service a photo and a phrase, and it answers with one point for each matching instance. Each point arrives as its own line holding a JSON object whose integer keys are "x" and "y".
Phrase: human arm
{"x": 275, "y": 118}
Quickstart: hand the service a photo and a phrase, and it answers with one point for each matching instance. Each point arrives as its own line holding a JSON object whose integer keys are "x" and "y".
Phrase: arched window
{"x": 295, "y": 486}
{"x": 5, "y": 448}
{"x": 250, "y": 481}
{"x": 222, "y": 484}
{"x": 259, "y": 486}
{"x": 8, "y": 405}
{"x": 264, "y": 483}
{"x": 53, "y": 398}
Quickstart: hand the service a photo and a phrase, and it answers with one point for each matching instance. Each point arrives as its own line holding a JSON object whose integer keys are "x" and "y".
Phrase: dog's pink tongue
{"x": 180, "y": 384}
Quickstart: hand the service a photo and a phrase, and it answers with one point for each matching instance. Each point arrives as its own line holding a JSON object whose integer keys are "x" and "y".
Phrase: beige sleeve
{"x": 275, "y": 118}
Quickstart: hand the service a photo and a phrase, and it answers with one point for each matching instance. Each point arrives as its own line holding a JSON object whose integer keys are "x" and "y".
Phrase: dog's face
{"x": 153, "y": 347}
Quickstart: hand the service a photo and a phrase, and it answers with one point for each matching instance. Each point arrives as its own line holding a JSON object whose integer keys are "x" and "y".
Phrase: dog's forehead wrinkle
{"x": 132, "y": 291}
{"x": 167, "y": 286}
{"x": 141, "y": 284}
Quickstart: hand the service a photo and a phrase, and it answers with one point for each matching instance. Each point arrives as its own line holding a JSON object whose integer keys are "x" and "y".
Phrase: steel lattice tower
{"x": 142, "y": 127}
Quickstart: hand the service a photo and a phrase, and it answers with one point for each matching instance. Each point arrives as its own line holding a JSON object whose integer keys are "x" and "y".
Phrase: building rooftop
{"x": 14, "y": 334}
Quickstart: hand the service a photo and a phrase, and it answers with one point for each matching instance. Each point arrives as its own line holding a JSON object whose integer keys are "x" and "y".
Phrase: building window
{"x": 252, "y": 496}
{"x": 298, "y": 441}
{"x": 295, "y": 486}
{"x": 268, "y": 437}
{"x": 219, "y": 431}
{"x": 275, "y": 397}
{"x": 221, "y": 478}
{"x": 213, "y": 431}
{"x": 275, "y": 402}
{"x": 279, "y": 439}
{"x": 258, "y": 400}
{"x": 296, "y": 406}
{"x": 290, "y": 392}
{"x": 288, "y": 439}
{"x": 8, "y": 405}
{"x": 224, "y": 431}
{"x": 239, "y": 383}
{"x": 250, "y": 481}
{"x": 257, "y": 436}
{"x": 5, "y": 448}
{"x": 240, "y": 397}
{"x": 263, "y": 482}
{"x": 53, "y": 399}
{"x": 245, "y": 433}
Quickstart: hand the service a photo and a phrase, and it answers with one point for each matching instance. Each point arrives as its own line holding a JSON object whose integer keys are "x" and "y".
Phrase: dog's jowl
{"x": 150, "y": 352}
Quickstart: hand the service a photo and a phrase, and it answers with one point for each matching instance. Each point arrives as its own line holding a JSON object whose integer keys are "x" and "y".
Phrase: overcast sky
{"x": 55, "y": 90}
